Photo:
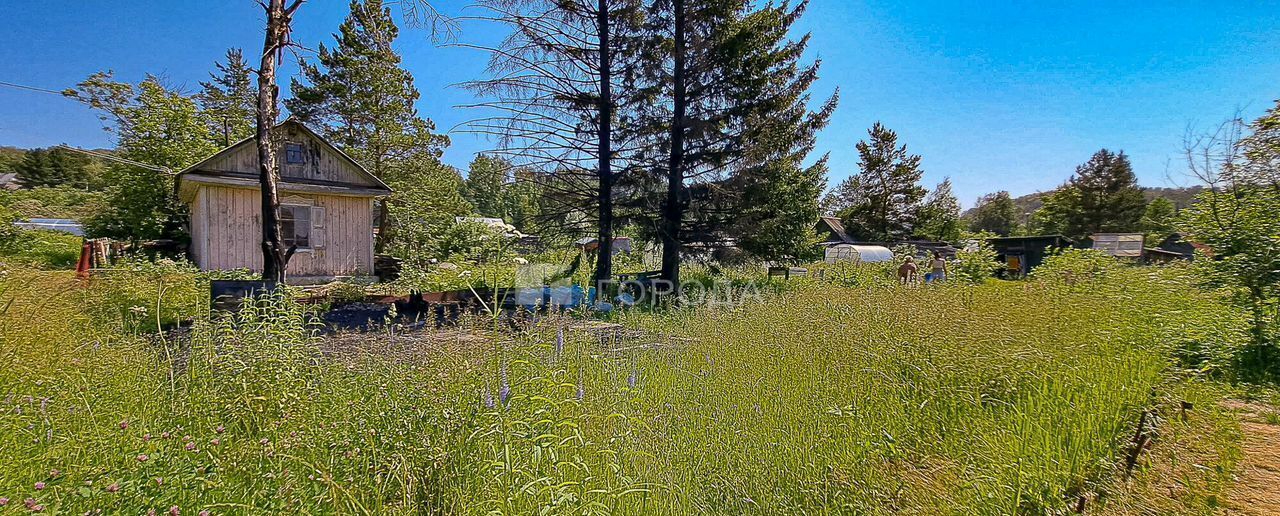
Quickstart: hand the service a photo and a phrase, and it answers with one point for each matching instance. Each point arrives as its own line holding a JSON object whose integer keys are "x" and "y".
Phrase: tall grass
{"x": 839, "y": 396}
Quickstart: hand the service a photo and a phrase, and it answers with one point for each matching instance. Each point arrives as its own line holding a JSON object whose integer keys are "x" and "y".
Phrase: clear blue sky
{"x": 995, "y": 95}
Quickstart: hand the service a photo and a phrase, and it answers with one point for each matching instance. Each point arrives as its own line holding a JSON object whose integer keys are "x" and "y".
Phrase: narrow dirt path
{"x": 1256, "y": 491}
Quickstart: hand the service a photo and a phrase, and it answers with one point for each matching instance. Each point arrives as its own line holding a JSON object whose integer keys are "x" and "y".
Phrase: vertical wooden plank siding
{"x": 227, "y": 221}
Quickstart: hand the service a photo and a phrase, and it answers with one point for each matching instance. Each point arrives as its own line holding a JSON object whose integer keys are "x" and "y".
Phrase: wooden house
{"x": 326, "y": 207}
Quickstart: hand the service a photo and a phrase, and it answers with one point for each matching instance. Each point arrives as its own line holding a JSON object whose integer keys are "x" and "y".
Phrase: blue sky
{"x": 1009, "y": 95}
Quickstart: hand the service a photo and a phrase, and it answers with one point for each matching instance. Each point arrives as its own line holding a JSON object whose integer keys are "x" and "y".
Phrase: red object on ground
{"x": 82, "y": 267}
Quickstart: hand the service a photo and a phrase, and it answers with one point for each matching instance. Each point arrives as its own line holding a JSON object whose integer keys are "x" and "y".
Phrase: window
{"x": 293, "y": 154}
{"x": 295, "y": 226}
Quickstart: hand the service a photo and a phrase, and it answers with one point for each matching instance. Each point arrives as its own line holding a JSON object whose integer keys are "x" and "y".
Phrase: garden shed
{"x": 1021, "y": 254}
{"x": 326, "y": 207}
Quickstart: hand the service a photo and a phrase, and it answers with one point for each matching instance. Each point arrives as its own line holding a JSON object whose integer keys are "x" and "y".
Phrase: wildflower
{"x": 3, "y": 501}
{"x": 53, "y": 473}
{"x": 39, "y": 486}
{"x": 164, "y": 435}
{"x": 142, "y": 457}
{"x": 504, "y": 393}
{"x": 631, "y": 380}
{"x": 220, "y": 429}
{"x": 264, "y": 441}
{"x": 215, "y": 442}
{"x": 582, "y": 393}
{"x": 113, "y": 488}
{"x": 32, "y": 505}
{"x": 559, "y": 341}
{"x": 173, "y": 511}
{"x": 186, "y": 438}
{"x": 124, "y": 425}
{"x": 151, "y": 512}
{"x": 146, "y": 437}
{"x": 191, "y": 446}
{"x": 159, "y": 481}
{"x": 204, "y": 512}
{"x": 488, "y": 399}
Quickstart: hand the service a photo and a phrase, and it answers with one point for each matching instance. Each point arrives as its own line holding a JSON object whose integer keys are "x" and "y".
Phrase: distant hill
{"x": 1181, "y": 197}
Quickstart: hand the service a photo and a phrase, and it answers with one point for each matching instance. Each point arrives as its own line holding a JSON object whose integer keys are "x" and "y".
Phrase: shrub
{"x": 1076, "y": 266}
{"x": 976, "y": 265}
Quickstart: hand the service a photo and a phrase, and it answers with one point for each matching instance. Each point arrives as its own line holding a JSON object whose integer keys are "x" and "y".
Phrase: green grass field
{"x": 830, "y": 397}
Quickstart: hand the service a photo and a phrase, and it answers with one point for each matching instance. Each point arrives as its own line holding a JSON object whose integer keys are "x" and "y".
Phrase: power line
{"x": 117, "y": 159}
{"x": 30, "y": 88}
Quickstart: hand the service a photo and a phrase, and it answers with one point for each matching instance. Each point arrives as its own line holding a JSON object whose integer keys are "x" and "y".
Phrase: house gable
{"x": 307, "y": 163}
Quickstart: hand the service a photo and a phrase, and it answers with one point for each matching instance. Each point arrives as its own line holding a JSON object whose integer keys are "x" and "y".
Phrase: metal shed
{"x": 857, "y": 253}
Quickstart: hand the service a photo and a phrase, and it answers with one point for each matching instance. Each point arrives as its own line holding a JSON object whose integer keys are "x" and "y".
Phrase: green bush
{"x": 40, "y": 249}
{"x": 976, "y": 265}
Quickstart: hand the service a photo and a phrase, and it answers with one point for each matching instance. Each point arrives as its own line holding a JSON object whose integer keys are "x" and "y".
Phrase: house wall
{"x": 322, "y": 163}
{"x": 226, "y": 232}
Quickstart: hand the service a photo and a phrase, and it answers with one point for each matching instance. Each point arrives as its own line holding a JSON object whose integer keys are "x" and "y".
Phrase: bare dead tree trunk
{"x": 604, "y": 261}
{"x": 673, "y": 208}
{"x": 274, "y": 256}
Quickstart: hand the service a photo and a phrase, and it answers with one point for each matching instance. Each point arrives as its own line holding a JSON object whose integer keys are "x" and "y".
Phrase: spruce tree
{"x": 486, "y": 185}
{"x": 229, "y": 99}
{"x": 885, "y": 192}
{"x": 731, "y": 129}
{"x": 363, "y": 101}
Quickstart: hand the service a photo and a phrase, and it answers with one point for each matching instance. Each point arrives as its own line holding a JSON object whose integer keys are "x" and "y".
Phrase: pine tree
{"x": 994, "y": 213}
{"x": 1102, "y": 197}
{"x": 940, "y": 214}
{"x": 363, "y": 101}
{"x": 229, "y": 99}
{"x": 885, "y": 194}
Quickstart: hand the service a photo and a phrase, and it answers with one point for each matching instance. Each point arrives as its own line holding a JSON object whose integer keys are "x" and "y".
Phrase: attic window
{"x": 293, "y": 154}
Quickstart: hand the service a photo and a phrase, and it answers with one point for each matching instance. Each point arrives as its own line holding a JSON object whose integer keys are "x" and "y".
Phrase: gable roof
{"x": 836, "y": 227}
{"x": 377, "y": 187}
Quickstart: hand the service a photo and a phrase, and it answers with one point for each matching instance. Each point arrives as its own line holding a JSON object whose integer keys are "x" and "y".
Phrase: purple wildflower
{"x": 3, "y": 501}
{"x": 220, "y": 429}
{"x": 173, "y": 511}
{"x": 215, "y": 441}
{"x": 204, "y": 512}
{"x": 191, "y": 446}
{"x": 582, "y": 393}
{"x": 631, "y": 380}
{"x": 114, "y": 487}
{"x": 124, "y": 425}
{"x": 39, "y": 486}
{"x": 142, "y": 457}
{"x": 488, "y": 399}
{"x": 559, "y": 341}
{"x": 504, "y": 392}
